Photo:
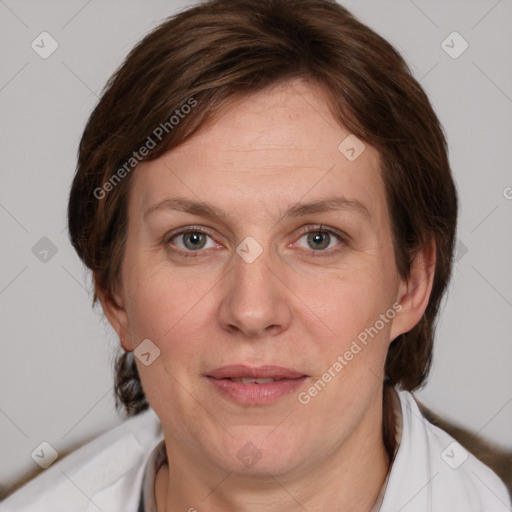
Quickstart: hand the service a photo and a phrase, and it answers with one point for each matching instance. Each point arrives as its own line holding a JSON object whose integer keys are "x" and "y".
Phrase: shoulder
{"x": 432, "y": 471}
{"x": 104, "y": 474}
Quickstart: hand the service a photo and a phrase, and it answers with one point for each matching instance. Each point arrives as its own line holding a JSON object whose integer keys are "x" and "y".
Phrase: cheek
{"x": 167, "y": 307}
{"x": 350, "y": 330}
{"x": 345, "y": 300}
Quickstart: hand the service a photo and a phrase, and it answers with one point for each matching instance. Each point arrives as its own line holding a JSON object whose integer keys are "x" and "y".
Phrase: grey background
{"x": 57, "y": 352}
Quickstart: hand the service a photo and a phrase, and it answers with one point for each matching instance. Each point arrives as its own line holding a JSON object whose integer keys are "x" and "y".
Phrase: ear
{"x": 114, "y": 310}
{"x": 414, "y": 293}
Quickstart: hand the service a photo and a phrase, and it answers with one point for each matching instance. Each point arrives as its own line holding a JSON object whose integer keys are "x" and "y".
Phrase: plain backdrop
{"x": 57, "y": 352}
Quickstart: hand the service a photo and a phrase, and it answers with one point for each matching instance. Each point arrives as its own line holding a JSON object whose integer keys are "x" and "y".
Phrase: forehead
{"x": 266, "y": 150}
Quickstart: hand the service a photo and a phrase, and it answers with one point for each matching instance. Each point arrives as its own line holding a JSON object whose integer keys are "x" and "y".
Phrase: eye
{"x": 192, "y": 240}
{"x": 321, "y": 239}
{"x": 318, "y": 239}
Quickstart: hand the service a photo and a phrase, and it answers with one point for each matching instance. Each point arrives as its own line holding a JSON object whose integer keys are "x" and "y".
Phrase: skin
{"x": 295, "y": 306}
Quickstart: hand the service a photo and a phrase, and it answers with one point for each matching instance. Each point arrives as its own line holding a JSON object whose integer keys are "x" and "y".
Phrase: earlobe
{"x": 414, "y": 293}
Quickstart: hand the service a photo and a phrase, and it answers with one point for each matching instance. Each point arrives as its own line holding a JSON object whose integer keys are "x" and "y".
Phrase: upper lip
{"x": 255, "y": 372}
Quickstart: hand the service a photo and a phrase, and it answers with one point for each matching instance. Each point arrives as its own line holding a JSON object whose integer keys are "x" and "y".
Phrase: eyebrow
{"x": 205, "y": 209}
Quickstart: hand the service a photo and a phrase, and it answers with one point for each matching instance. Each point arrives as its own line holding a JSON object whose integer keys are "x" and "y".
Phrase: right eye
{"x": 189, "y": 240}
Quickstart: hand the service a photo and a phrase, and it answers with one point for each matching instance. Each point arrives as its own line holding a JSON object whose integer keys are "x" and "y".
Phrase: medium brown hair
{"x": 223, "y": 49}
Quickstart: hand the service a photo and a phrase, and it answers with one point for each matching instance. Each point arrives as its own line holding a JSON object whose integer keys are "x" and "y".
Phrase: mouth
{"x": 255, "y": 385}
{"x": 250, "y": 380}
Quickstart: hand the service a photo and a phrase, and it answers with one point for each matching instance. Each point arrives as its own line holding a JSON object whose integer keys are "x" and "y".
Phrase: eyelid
{"x": 188, "y": 229}
{"x": 313, "y": 228}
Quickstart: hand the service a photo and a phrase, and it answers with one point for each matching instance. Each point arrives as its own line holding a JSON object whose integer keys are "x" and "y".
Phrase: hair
{"x": 221, "y": 50}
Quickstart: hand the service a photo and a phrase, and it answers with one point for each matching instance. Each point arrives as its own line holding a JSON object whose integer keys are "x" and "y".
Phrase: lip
{"x": 236, "y": 371}
{"x": 287, "y": 382}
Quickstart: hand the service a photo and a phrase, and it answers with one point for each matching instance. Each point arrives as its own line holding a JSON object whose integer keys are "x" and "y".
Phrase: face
{"x": 258, "y": 250}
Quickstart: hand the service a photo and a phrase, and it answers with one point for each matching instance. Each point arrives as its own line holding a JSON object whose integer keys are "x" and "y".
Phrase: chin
{"x": 262, "y": 453}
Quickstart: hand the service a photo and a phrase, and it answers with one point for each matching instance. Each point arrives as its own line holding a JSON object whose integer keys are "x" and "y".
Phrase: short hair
{"x": 221, "y": 50}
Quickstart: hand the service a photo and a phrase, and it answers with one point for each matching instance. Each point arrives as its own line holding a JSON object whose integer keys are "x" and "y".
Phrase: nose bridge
{"x": 254, "y": 300}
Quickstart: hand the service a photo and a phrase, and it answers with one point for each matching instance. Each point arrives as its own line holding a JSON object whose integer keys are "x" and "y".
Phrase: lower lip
{"x": 257, "y": 394}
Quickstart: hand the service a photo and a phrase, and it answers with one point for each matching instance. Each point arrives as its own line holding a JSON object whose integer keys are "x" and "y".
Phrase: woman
{"x": 264, "y": 198}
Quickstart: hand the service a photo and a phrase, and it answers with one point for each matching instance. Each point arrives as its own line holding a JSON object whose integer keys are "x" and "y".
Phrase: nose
{"x": 256, "y": 300}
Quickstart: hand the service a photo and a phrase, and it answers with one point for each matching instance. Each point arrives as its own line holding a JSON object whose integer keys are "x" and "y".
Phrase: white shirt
{"x": 430, "y": 472}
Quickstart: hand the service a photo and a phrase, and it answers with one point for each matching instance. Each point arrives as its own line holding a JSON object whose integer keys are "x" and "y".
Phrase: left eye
{"x": 320, "y": 239}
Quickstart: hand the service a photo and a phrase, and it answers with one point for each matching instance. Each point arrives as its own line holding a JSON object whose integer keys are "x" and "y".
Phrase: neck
{"x": 349, "y": 480}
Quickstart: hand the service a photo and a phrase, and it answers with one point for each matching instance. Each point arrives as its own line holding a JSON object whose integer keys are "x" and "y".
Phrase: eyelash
{"x": 342, "y": 237}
